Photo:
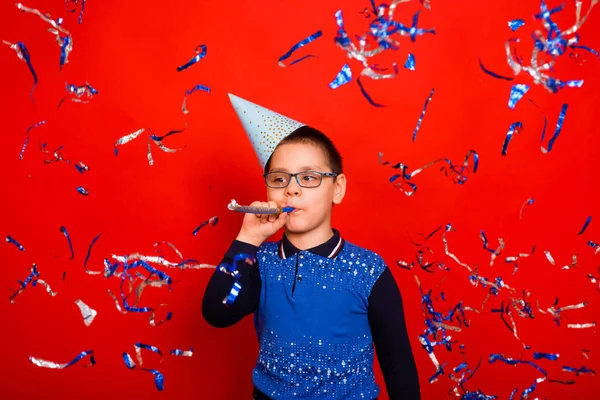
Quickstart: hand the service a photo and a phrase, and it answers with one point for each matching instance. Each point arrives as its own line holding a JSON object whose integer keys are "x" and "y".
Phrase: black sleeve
{"x": 386, "y": 318}
{"x": 214, "y": 311}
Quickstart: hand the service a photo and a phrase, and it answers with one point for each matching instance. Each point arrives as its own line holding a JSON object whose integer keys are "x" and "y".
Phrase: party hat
{"x": 264, "y": 128}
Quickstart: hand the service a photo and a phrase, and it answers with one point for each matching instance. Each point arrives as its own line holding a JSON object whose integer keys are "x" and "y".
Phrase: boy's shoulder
{"x": 352, "y": 250}
{"x": 268, "y": 247}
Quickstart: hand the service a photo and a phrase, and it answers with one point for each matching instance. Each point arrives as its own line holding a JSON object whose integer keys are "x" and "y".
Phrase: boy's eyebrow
{"x": 305, "y": 168}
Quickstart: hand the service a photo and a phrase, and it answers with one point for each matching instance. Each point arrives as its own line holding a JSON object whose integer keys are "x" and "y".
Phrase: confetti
{"x": 515, "y": 24}
{"x": 63, "y": 230}
{"x": 552, "y": 43}
{"x": 559, "y": 126}
{"x": 343, "y": 77}
{"x": 182, "y": 353}
{"x": 157, "y": 140}
{"x": 410, "y": 62}
{"x": 297, "y": 46}
{"x": 516, "y": 93}
{"x": 422, "y": 115}
{"x": 81, "y": 167}
{"x": 512, "y": 130}
{"x": 230, "y": 268}
{"x": 65, "y": 41}
{"x": 74, "y": 4}
{"x": 459, "y": 173}
{"x": 24, "y": 56}
{"x": 547, "y": 356}
{"x": 10, "y": 240}
{"x": 159, "y": 379}
{"x": 579, "y": 371}
{"x": 582, "y": 326}
{"x": 79, "y": 94}
{"x": 88, "y": 314}
{"x": 38, "y": 124}
{"x": 212, "y": 220}
{"x": 200, "y": 54}
{"x": 496, "y": 252}
{"x": 141, "y": 346}
{"x": 525, "y": 207}
{"x": 513, "y": 259}
{"x": 87, "y": 256}
{"x": 510, "y": 361}
{"x": 585, "y": 225}
{"x": 34, "y": 280}
{"x": 83, "y": 190}
{"x": 50, "y": 364}
{"x": 189, "y": 92}
{"x": 493, "y": 74}
{"x": 381, "y": 29}
{"x": 128, "y": 360}
{"x": 367, "y": 96}
{"x": 549, "y": 257}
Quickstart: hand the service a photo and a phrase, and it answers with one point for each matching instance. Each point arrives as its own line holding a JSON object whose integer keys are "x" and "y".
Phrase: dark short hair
{"x": 308, "y": 135}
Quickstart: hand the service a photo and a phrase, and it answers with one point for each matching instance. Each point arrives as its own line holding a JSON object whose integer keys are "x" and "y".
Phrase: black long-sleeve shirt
{"x": 385, "y": 313}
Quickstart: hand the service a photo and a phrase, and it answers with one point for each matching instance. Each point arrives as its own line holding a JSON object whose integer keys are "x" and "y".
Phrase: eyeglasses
{"x": 305, "y": 179}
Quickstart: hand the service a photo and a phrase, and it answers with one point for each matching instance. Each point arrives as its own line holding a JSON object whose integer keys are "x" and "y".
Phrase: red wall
{"x": 129, "y": 51}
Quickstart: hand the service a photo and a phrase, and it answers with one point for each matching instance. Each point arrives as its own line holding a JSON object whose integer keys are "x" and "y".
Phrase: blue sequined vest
{"x": 312, "y": 324}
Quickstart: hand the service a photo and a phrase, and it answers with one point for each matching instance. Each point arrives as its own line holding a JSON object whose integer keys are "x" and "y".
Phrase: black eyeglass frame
{"x": 321, "y": 174}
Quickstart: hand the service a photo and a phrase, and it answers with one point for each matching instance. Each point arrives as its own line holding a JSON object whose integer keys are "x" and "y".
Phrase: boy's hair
{"x": 308, "y": 135}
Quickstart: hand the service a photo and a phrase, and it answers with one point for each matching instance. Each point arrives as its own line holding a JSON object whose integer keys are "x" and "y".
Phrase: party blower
{"x": 234, "y": 206}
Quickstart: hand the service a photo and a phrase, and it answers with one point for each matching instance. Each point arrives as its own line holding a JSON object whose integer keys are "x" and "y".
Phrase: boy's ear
{"x": 339, "y": 188}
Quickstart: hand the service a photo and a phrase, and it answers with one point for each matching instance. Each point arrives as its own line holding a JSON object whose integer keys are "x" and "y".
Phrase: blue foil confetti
{"x": 410, "y": 62}
{"x": 129, "y": 363}
{"x": 63, "y": 230}
{"x": 366, "y": 95}
{"x": 196, "y": 88}
{"x": 547, "y": 356}
{"x": 65, "y": 41}
{"x": 559, "y": 126}
{"x": 87, "y": 256}
{"x": 23, "y": 148}
{"x": 230, "y": 268}
{"x": 516, "y": 93}
{"x": 212, "y": 221}
{"x": 200, "y": 54}
{"x": 513, "y": 129}
{"x": 515, "y": 24}
{"x": 525, "y": 207}
{"x": 343, "y": 77}
{"x": 492, "y": 73}
{"x": 18, "y": 245}
{"x": 33, "y": 279}
{"x": 182, "y": 353}
{"x": 74, "y": 4}
{"x": 585, "y": 225}
{"x": 159, "y": 379}
{"x": 24, "y": 56}
{"x": 81, "y": 167}
{"x": 297, "y": 46}
{"x": 50, "y": 364}
{"x": 579, "y": 371}
{"x": 414, "y": 137}
{"x": 83, "y": 191}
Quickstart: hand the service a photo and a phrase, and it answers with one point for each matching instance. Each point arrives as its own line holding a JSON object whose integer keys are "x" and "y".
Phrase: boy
{"x": 319, "y": 302}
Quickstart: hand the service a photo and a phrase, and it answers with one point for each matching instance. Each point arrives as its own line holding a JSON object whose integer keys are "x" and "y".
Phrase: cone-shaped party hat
{"x": 264, "y": 128}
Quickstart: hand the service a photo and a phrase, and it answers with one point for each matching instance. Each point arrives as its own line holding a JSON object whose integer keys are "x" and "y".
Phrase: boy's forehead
{"x": 298, "y": 156}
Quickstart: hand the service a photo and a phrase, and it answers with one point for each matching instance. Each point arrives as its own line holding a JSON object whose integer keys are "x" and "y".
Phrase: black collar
{"x": 329, "y": 249}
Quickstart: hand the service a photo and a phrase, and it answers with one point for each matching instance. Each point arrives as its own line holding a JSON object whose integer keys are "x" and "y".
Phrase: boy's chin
{"x": 295, "y": 227}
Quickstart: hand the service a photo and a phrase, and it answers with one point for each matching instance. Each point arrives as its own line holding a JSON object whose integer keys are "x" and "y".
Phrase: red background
{"x": 129, "y": 51}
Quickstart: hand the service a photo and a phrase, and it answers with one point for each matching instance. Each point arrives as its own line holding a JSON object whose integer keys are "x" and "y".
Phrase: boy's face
{"x": 313, "y": 205}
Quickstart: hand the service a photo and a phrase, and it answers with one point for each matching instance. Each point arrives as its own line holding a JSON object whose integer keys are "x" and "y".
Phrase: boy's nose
{"x": 293, "y": 189}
